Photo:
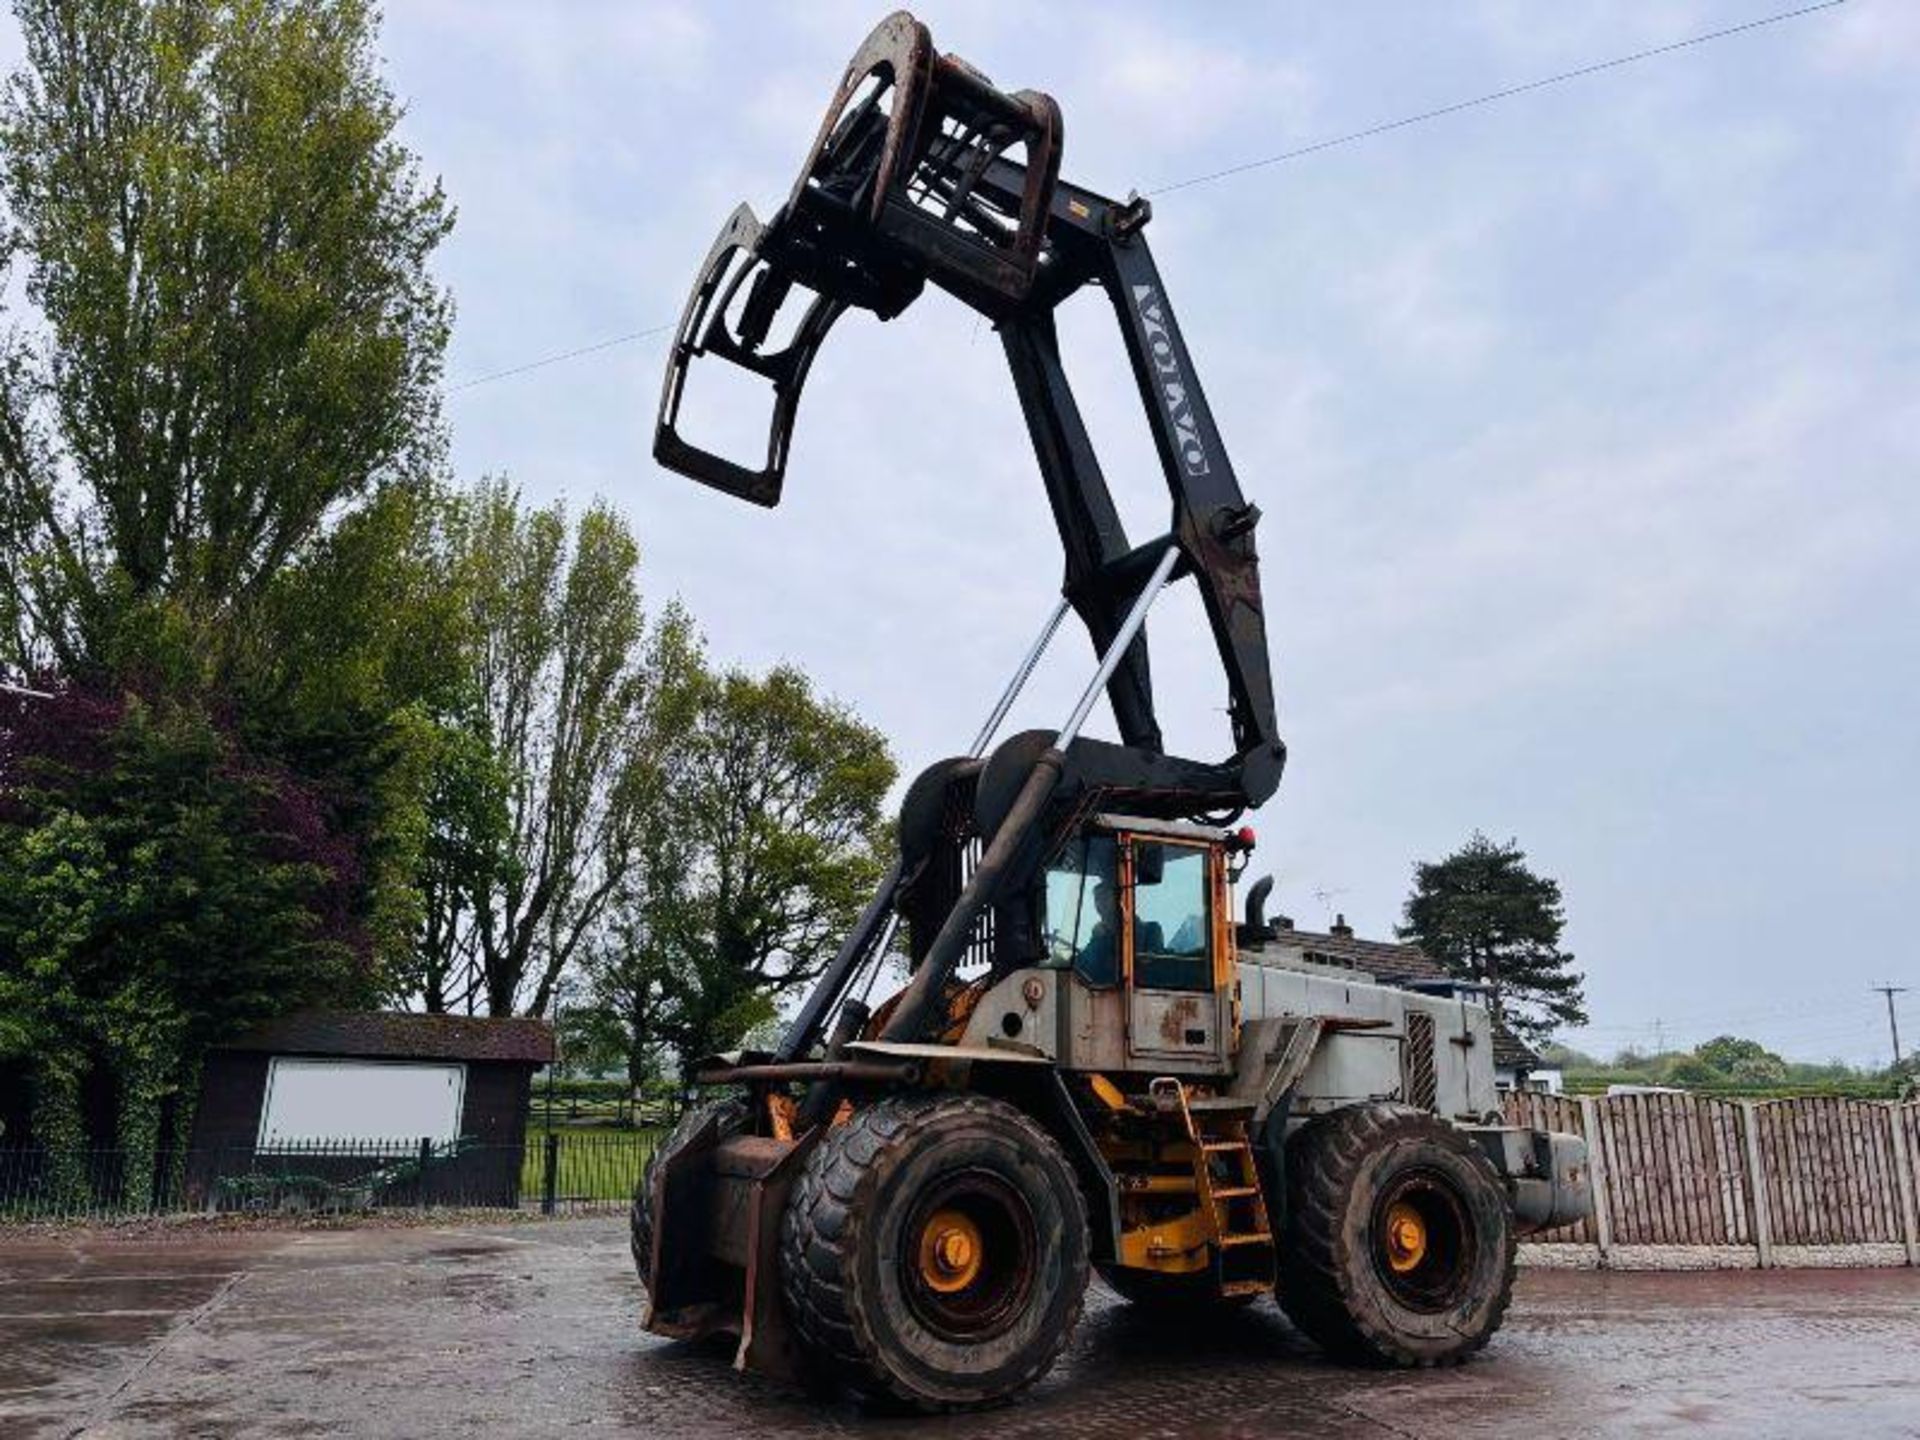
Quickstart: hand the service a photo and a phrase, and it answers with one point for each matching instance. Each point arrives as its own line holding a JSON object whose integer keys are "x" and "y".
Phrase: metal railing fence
{"x": 554, "y": 1172}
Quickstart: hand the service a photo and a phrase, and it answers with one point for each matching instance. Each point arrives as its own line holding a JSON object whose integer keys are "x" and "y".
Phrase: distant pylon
{"x": 1893, "y": 1022}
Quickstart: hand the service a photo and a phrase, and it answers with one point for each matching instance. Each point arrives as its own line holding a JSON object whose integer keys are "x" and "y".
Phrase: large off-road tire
{"x": 1174, "y": 1296}
{"x": 731, "y": 1118}
{"x": 935, "y": 1252}
{"x": 1399, "y": 1245}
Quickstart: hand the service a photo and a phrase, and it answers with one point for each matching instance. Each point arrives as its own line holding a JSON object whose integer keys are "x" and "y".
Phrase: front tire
{"x": 935, "y": 1252}
{"x": 1399, "y": 1247}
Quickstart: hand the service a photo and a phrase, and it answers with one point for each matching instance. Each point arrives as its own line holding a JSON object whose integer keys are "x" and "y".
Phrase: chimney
{"x": 1341, "y": 928}
{"x": 1282, "y": 923}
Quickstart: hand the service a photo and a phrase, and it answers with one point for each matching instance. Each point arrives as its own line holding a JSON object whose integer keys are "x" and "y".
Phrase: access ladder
{"x": 1227, "y": 1184}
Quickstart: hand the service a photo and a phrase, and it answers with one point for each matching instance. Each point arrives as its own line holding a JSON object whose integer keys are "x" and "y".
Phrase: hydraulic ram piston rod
{"x": 1109, "y": 662}
{"x": 918, "y": 1001}
{"x": 1020, "y": 678}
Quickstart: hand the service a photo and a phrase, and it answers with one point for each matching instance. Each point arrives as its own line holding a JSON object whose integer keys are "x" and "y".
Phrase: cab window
{"x": 1083, "y": 910}
{"x": 1171, "y": 917}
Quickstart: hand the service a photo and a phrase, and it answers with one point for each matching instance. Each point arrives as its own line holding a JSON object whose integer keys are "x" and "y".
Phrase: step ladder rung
{"x": 1234, "y": 1192}
{"x": 1219, "y": 1147}
{"x": 1220, "y": 1108}
{"x": 1245, "y": 1287}
{"x": 1248, "y": 1238}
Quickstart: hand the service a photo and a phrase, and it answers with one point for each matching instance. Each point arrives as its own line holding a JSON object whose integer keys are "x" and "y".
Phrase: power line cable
{"x": 1314, "y": 149}
{"x": 1494, "y": 95}
{"x": 1684, "y": 1036}
{"x": 1863, "y": 1023}
{"x": 547, "y": 360}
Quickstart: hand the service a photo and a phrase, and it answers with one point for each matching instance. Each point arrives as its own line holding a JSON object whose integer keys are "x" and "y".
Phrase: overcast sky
{"x": 1586, "y": 426}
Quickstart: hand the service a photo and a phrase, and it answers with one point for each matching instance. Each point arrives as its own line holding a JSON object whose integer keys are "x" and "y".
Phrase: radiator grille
{"x": 1422, "y": 1086}
{"x": 956, "y": 854}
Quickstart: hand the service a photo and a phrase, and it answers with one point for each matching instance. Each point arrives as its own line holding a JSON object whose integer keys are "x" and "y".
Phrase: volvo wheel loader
{"x": 1093, "y": 1065}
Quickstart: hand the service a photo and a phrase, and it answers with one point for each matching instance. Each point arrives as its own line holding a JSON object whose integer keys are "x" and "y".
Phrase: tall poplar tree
{"x": 224, "y": 352}
{"x": 232, "y": 331}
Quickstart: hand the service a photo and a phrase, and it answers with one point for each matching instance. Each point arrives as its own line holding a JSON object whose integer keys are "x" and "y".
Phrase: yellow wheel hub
{"x": 950, "y": 1252}
{"x": 1406, "y": 1237}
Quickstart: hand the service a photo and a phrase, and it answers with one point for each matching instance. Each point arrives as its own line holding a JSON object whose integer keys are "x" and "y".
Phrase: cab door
{"x": 1178, "y": 1006}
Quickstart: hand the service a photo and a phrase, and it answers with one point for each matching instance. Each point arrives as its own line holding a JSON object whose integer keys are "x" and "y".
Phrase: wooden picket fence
{"x": 1788, "y": 1180}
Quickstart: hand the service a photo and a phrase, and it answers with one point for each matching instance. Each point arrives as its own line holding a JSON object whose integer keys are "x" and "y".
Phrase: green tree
{"x": 1486, "y": 917}
{"x": 1723, "y": 1052}
{"x": 589, "y": 1043}
{"x": 1905, "y": 1076}
{"x": 217, "y": 413}
{"x": 352, "y": 669}
{"x": 768, "y": 847}
{"x": 577, "y": 703}
{"x": 1568, "y": 1058}
{"x": 226, "y": 251}
{"x": 468, "y": 854}
{"x": 160, "y": 887}
{"x": 1742, "y": 1062}
{"x": 1692, "y": 1071}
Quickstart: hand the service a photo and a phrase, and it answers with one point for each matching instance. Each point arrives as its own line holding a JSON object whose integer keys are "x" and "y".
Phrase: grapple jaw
{"x": 921, "y": 170}
{"x": 728, "y": 315}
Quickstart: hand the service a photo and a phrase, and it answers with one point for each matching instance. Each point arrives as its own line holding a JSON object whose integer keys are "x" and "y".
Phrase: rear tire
{"x": 1399, "y": 1247}
{"x": 729, "y": 1115}
{"x": 935, "y": 1252}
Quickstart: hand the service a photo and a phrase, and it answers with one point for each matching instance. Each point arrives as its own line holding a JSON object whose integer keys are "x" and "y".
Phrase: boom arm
{"x": 1103, "y": 243}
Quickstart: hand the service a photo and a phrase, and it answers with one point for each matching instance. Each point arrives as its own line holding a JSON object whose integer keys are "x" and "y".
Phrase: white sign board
{"x": 391, "y": 1104}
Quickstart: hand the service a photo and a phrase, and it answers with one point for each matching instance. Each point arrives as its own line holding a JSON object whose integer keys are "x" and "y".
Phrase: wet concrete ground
{"x": 533, "y": 1330}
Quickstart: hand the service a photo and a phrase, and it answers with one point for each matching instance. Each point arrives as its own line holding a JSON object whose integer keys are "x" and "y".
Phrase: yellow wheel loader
{"x": 1095, "y": 1065}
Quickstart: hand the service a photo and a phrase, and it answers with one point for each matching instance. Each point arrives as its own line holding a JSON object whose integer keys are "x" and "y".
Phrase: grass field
{"x": 596, "y": 1165}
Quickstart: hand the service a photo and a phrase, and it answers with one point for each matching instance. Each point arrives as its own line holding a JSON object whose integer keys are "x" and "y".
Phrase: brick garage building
{"x": 375, "y": 1086}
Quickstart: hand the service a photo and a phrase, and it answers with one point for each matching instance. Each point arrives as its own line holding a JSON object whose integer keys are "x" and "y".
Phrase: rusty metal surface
{"x": 853, "y": 1070}
{"x": 533, "y": 1329}
{"x": 768, "y": 1345}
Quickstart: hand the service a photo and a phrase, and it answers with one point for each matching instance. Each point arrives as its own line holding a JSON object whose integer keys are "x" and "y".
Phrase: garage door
{"x": 391, "y": 1104}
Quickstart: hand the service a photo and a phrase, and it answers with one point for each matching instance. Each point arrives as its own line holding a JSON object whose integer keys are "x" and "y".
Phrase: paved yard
{"x": 533, "y": 1329}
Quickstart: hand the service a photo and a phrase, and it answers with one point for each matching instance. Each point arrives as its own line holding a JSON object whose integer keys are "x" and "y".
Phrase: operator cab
{"x": 1137, "y": 940}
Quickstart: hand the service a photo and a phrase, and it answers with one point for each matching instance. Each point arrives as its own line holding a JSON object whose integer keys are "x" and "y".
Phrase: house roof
{"x": 1397, "y": 963}
{"x": 1510, "y": 1052}
{"x": 389, "y": 1035}
{"x": 1383, "y": 958}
